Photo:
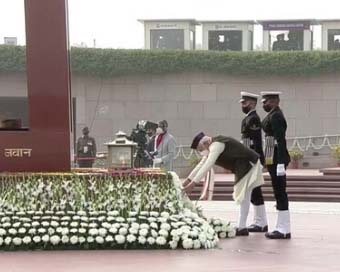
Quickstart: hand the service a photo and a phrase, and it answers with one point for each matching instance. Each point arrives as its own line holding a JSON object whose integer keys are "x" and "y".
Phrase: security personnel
{"x": 276, "y": 159}
{"x": 252, "y": 138}
{"x": 86, "y": 150}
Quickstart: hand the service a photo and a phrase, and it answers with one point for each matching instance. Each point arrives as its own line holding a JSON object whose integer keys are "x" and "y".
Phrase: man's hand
{"x": 186, "y": 182}
{"x": 157, "y": 160}
{"x": 189, "y": 187}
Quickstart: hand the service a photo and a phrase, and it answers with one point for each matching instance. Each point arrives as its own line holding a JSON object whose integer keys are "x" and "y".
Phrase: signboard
{"x": 285, "y": 25}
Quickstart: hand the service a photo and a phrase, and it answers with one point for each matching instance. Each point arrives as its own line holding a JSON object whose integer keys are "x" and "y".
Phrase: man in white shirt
{"x": 231, "y": 155}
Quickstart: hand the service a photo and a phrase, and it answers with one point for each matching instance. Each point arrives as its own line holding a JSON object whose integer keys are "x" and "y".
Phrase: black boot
{"x": 277, "y": 235}
{"x": 256, "y": 228}
{"x": 242, "y": 232}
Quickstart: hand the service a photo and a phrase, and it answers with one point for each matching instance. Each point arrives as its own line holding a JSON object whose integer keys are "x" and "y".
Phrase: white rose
{"x": 113, "y": 213}
{"x": 36, "y": 239}
{"x": 82, "y": 231}
{"x": 16, "y": 225}
{"x": 65, "y": 231}
{"x": 154, "y": 225}
{"x": 41, "y": 230}
{"x": 106, "y": 225}
{"x": 74, "y": 224}
{"x": 81, "y": 213}
{"x": 151, "y": 240}
{"x": 132, "y": 214}
{"x": 65, "y": 218}
{"x": 161, "y": 219}
{"x": 51, "y": 231}
{"x": 232, "y": 233}
{"x": 102, "y": 232}
{"x": 160, "y": 240}
{"x": 135, "y": 225}
{"x": 144, "y": 226}
{"x": 76, "y": 217}
{"x": 152, "y": 219}
{"x": 194, "y": 233}
{"x": 55, "y": 239}
{"x": 26, "y": 240}
{"x": 12, "y": 231}
{"x": 165, "y": 214}
{"x": 60, "y": 229}
{"x": 113, "y": 230}
{"x": 109, "y": 239}
{"x": 165, "y": 226}
{"x": 90, "y": 239}
{"x": 218, "y": 229}
{"x": 27, "y": 225}
{"x": 187, "y": 243}
{"x": 84, "y": 225}
{"x": 144, "y": 213}
{"x": 217, "y": 222}
{"x": 176, "y": 238}
{"x": 6, "y": 225}
{"x": 74, "y": 240}
{"x": 22, "y": 230}
{"x": 222, "y": 234}
{"x": 133, "y": 230}
{"x": 163, "y": 233}
{"x": 84, "y": 218}
{"x": 82, "y": 240}
{"x": 197, "y": 244}
{"x": 120, "y": 239}
{"x": 116, "y": 225}
{"x": 131, "y": 238}
{"x": 101, "y": 218}
{"x": 64, "y": 224}
{"x": 154, "y": 233}
{"x": 45, "y": 238}
{"x": 123, "y": 231}
{"x": 93, "y": 232}
{"x": 65, "y": 239}
{"x": 120, "y": 219}
{"x": 32, "y": 231}
{"x": 141, "y": 240}
{"x": 17, "y": 241}
{"x": 93, "y": 225}
{"x": 8, "y": 240}
{"x": 2, "y": 232}
{"x": 154, "y": 214}
{"x": 143, "y": 232}
{"x": 173, "y": 244}
{"x": 54, "y": 224}
{"x": 45, "y": 224}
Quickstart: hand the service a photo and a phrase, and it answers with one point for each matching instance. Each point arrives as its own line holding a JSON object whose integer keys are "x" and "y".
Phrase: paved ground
{"x": 315, "y": 246}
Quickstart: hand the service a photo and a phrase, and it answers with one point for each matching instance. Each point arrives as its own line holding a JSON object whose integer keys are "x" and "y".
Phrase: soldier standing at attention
{"x": 252, "y": 138}
{"x": 276, "y": 159}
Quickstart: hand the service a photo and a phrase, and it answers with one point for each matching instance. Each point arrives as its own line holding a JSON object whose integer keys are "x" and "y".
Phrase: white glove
{"x": 157, "y": 160}
{"x": 280, "y": 170}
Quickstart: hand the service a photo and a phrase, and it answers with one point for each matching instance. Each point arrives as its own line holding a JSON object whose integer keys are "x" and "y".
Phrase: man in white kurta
{"x": 231, "y": 155}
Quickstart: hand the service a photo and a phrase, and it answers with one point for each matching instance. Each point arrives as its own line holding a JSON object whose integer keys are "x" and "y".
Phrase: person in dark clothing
{"x": 276, "y": 159}
{"x": 86, "y": 150}
{"x": 251, "y": 131}
{"x": 231, "y": 155}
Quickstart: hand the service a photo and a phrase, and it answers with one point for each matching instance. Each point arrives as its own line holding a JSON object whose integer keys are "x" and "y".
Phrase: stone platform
{"x": 313, "y": 247}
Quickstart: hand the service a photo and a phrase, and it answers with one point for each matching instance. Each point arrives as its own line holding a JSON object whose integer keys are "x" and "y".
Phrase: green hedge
{"x": 113, "y": 62}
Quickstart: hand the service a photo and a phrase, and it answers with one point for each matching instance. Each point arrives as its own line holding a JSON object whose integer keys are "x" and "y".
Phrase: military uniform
{"x": 276, "y": 159}
{"x": 251, "y": 132}
{"x": 86, "y": 151}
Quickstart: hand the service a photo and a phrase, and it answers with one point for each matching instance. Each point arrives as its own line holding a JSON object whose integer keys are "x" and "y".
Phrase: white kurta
{"x": 252, "y": 179}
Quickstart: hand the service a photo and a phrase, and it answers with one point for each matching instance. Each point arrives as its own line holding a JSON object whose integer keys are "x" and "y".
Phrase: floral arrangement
{"x": 102, "y": 211}
{"x": 335, "y": 152}
{"x": 295, "y": 154}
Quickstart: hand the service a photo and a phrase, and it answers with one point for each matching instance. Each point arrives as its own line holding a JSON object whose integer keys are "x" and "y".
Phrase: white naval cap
{"x": 269, "y": 94}
{"x": 248, "y": 96}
